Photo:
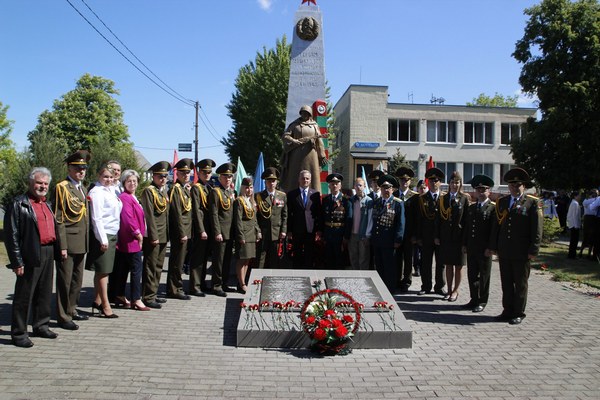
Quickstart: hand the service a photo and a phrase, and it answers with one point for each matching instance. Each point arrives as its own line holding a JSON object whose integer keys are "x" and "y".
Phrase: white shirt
{"x": 574, "y": 215}
{"x": 105, "y": 212}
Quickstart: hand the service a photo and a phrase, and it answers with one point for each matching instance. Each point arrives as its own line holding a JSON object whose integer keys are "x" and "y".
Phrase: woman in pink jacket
{"x": 129, "y": 244}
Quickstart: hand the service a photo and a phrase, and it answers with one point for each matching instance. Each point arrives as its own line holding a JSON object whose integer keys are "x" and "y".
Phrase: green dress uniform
{"x": 220, "y": 205}
{"x": 246, "y": 228}
{"x": 428, "y": 208}
{"x": 272, "y": 220}
{"x": 200, "y": 247}
{"x": 155, "y": 203}
{"x": 451, "y": 220}
{"x": 72, "y": 219}
{"x": 516, "y": 234}
{"x": 180, "y": 225}
{"x": 476, "y": 236}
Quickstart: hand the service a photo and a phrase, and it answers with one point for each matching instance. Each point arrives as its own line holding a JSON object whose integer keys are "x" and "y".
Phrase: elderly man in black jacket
{"x": 32, "y": 243}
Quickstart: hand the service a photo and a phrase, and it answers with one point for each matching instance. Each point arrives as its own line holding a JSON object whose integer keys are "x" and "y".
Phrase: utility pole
{"x": 197, "y": 107}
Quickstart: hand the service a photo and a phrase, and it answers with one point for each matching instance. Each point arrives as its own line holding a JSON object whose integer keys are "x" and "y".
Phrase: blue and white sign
{"x": 366, "y": 145}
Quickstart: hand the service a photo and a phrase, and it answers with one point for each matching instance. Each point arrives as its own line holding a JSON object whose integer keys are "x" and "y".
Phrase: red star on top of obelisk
{"x": 309, "y": 1}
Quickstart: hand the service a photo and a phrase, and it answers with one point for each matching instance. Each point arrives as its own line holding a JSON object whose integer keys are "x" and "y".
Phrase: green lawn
{"x": 553, "y": 258}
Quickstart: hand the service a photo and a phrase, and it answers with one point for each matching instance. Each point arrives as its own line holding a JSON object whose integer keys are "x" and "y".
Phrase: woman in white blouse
{"x": 105, "y": 214}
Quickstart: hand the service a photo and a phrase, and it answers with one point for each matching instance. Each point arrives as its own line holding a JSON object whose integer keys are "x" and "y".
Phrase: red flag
{"x": 175, "y": 160}
{"x": 429, "y": 165}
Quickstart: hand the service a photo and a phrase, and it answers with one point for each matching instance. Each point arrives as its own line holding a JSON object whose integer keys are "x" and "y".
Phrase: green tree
{"x": 498, "y": 100}
{"x": 8, "y": 154}
{"x": 560, "y": 53}
{"x": 85, "y": 114}
{"x": 258, "y": 107}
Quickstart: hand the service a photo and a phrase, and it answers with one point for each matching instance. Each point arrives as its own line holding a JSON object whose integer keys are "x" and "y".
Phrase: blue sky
{"x": 453, "y": 49}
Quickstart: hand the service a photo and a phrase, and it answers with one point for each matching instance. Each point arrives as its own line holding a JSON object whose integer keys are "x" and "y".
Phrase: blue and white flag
{"x": 259, "y": 183}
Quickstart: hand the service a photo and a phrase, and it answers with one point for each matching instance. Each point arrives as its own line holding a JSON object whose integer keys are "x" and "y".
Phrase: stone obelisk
{"x": 307, "y": 68}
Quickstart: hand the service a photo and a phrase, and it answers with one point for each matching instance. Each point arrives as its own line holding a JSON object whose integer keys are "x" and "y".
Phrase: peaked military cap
{"x": 387, "y": 180}
{"x": 481, "y": 181}
{"x": 80, "y": 158}
{"x": 206, "y": 165}
{"x": 226, "y": 169}
{"x": 376, "y": 174}
{"x": 247, "y": 181}
{"x": 405, "y": 173}
{"x": 185, "y": 164}
{"x": 335, "y": 177}
{"x": 517, "y": 175}
{"x": 434, "y": 173}
{"x": 308, "y": 109}
{"x": 270, "y": 173}
{"x": 161, "y": 167}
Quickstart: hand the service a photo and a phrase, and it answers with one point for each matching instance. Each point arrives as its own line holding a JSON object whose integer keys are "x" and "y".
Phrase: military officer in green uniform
{"x": 220, "y": 205}
{"x": 404, "y": 255}
{"x": 72, "y": 217}
{"x": 180, "y": 227}
{"x": 476, "y": 236}
{"x": 155, "y": 203}
{"x": 272, "y": 219}
{"x": 337, "y": 222}
{"x": 428, "y": 208}
{"x": 516, "y": 237}
{"x": 387, "y": 233}
{"x": 201, "y": 230}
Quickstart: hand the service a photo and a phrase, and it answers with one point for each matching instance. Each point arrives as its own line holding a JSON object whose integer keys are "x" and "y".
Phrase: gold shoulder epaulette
{"x": 62, "y": 183}
{"x": 397, "y": 200}
{"x": 532, "y": 197}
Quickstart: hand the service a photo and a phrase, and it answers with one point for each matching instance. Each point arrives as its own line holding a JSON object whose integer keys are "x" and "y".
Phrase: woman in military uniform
{"x": 450, "y": 221}
{"x": 247, "y": 232}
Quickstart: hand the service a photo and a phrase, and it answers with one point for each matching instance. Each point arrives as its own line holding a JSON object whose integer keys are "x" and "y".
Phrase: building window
{"x": 447, "y": 169}
{"x": 479, "y": 132}
{"x": 503, "y": 170}
{"x": 403, "y": 130}
{"x": 441, "y": 131}
{"x": 470, "y": 170}
{"x": 510, "y": 132}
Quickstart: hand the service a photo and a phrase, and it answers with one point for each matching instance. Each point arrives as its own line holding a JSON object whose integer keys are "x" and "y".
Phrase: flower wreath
{"x": 329, "y": 322}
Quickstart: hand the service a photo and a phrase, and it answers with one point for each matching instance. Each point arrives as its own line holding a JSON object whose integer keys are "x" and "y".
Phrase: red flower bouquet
{"x": 330, "y": 317}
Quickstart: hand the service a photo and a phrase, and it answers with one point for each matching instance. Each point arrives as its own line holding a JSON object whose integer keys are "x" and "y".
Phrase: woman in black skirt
{"x": 247, "y": 231}
{"x": 451, "y": 220}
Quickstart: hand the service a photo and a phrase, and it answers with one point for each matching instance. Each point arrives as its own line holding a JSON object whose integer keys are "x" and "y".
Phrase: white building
{"x": 470, "y": 140}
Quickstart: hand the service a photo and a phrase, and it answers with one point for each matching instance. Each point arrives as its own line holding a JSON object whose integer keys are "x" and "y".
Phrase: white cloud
{"x": 265, "y": 4}
{"x": 526, "y": 100}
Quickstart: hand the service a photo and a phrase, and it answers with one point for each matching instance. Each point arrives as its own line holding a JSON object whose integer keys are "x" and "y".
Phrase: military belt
{"x": 334, "y": 224}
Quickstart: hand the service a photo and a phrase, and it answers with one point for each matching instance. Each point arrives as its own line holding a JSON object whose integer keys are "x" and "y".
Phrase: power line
{"x": 209, "y": 129}
{"x": 131, "y": 52}
{"x": 170, "y": 149}
{"x": 185, "y": 101}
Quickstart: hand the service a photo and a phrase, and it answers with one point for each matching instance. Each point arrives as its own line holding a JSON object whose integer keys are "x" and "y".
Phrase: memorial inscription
{"x": 285, "y": 288}
{"x": 363, "y": 290}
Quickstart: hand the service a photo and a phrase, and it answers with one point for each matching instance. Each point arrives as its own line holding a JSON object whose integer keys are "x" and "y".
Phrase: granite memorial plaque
{"x": 285, "y": 288}
{"x": 362, "y": 289}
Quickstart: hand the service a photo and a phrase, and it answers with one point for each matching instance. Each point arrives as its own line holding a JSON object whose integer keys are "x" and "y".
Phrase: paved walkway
{"x": 187, "y": 351}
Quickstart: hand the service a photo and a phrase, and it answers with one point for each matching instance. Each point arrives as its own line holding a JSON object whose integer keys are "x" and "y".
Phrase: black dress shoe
{"x": 69, "y": 325}
{"x": 197, "y": 293}
{"x": 179, "y": 296}
{"x": 515, "y": 321}
{"x": 45, "y": 333}
{"x": 423, "y": 292}
{"x": 441, "y": 292}
{"x": 160, "y": 300}
{"x": 79, "y": 317}
{"x": 22, "y": 342}
{"x": 220, "y": 293}
{"x": 153, "y": 304}
{"x": 478, "y": 308}
{"x": 229, "y": 289}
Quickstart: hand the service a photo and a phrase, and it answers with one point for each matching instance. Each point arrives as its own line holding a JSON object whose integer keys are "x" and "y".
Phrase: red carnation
{"x": 329, "y": 313}
{"x": 337, "y": 323}
{"x": 341, "y": 331}
{"x": 348, "y": 319}
{"x": 324, "y": 323}
{"x": 310, "y": 320}
{"x": 320, "y": 334}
